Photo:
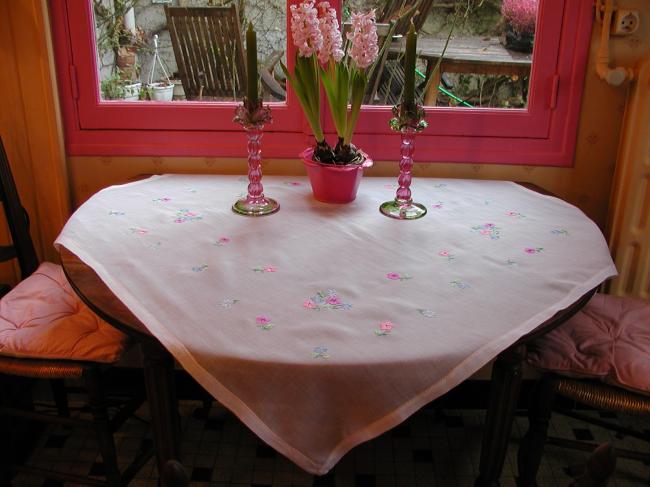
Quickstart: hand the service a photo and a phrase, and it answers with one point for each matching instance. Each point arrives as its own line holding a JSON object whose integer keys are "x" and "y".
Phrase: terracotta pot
{"x": 331, "y": 183}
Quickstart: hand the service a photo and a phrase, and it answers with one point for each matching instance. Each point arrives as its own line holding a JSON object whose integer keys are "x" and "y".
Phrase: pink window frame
{"x": 542, "y": 134}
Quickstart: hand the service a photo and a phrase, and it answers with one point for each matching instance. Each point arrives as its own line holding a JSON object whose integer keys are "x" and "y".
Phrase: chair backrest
{"x": 22, "y": 247}
{"x": 403, "y": 11}
{"x": 209, "y": 51}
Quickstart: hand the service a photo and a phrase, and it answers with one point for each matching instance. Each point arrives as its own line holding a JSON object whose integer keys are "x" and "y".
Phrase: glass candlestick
{"x": 408, "y": 123}
{"x": 253, "y": 120}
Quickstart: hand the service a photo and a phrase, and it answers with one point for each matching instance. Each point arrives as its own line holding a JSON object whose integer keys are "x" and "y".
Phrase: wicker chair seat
{"x": 42, "y": 318}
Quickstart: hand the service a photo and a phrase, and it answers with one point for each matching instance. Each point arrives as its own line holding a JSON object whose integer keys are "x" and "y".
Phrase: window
{"x": 540, "y": 129}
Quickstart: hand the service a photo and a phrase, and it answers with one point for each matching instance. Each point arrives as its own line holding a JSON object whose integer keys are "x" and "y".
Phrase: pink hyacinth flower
{"x": 305, "y": 29}
{"x": 365, "y": 48}
{"x": 329, "y": 29}
{"x": 262, "y": 320}
{"x": 333, "y": 300}
{"x": 386, "y": 326}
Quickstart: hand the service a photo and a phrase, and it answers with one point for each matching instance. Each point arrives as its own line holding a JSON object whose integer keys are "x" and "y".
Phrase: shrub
{"x": 520, "y": 15}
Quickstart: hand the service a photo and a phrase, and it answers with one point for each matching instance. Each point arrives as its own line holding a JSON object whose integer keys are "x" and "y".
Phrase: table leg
{"x": 163, "y": 405}
{"x": 504, "y": 391}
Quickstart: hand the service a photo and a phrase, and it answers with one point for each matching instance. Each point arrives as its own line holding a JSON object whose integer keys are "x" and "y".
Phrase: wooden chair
{"x": 401, "y": 12}
{"x": 600, "y": 358}
{"x": 62, "y": 339}
{"x": 207, "y": 43}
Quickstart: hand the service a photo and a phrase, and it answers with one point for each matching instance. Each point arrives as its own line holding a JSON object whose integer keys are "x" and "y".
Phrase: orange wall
{"x": 586, "y": 185}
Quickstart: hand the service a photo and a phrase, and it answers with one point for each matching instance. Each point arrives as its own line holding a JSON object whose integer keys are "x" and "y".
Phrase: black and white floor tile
{"x": 432, "y": 448}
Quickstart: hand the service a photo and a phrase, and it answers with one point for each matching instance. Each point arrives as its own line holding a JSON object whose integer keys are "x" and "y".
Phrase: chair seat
{"x": 609, "y": 339}
{"x": 43, "y": 318}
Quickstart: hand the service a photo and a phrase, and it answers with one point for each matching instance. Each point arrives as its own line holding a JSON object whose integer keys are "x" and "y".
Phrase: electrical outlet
{"x": 625, "y": 22}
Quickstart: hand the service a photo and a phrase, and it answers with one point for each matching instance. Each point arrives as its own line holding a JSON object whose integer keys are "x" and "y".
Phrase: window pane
{"x": 201, "y": 50}
{"x": 487, "y": 61}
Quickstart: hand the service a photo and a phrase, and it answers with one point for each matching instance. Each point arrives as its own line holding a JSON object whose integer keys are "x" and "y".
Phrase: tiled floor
{"x": 433, "y": 448}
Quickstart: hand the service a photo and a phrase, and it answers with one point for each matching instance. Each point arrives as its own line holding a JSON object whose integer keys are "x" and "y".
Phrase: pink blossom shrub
{"x": 520, "y": 15}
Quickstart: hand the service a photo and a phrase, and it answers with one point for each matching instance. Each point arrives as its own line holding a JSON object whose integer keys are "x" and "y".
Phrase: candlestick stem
{"x": 403, "y": 207}
{"x": 255, "y": 203}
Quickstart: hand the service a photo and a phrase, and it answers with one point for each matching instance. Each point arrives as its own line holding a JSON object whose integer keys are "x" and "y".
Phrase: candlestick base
{"x": 403, "y": 209}
{"x": 255, "y": 207}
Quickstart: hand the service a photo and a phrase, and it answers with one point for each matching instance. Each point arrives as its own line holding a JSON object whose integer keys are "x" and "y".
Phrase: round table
{"x": 158, "y": 365}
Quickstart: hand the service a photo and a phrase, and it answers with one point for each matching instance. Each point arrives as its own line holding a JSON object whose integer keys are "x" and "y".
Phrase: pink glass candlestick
{"x": 403, "y": 207}
{"x": 255, "y": 203}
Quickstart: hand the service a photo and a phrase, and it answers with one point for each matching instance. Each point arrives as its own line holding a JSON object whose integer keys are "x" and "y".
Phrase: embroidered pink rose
{"x": 385, "y": 328}
{"x": 270, "y": 268}
{"x": 333, "y": 300}
{"x": 223, "y": 241}
{"x": 262, "y": 320}
{"x": 393, "y": 275}
{"x": 533, "y": 250}
{"x": 309, "y": 304}
{"x": 443, "y": 253}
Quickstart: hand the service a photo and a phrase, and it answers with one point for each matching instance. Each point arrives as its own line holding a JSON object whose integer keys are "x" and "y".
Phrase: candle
{"x": 409, "y": 68}
{"x": 251, "y": 64}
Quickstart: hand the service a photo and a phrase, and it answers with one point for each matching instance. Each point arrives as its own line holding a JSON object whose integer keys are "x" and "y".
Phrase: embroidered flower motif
{"x": 514, "y": 214}
{"x": 265, "y": 269}
{"x": 459, "y": 284}
{"x": 533, "y": 250}
{"x": 116, "y": 213}
{"x": 264, "y": 322}
{"x": 447, "y": 254}
{"x": 228, "y": 303}
{"x": 185, "y": 215}
{"x": 320, "y": 352}
{"x": 164, "y": 199}
{"x": 427, "y": 313}
{"x": 560, "y": 231}
{"x": 222, "y": 241}
{"x": 384, "y": 328}
{"x": 437, "y": 206}
{"x": 395, "y": 276}
{"x": 139, "y": 231}
{"x": 326, "y": 300}
{"x": 293, "y": 183}
{"x": 489, "y": 230}
{"x": 199, "y": 268}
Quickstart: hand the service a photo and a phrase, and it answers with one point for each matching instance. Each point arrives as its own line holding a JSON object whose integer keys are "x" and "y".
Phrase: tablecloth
{"x": 323, "y": 326}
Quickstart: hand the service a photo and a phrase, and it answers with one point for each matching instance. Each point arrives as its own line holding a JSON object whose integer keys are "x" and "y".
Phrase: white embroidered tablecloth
{"x": 323, "y": 326}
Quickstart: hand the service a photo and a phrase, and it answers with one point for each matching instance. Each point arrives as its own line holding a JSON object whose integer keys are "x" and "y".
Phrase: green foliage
{"x": 113, "y": 87}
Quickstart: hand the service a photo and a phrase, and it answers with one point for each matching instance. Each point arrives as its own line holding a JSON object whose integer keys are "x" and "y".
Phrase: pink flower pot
{"x": 331, "y": 183}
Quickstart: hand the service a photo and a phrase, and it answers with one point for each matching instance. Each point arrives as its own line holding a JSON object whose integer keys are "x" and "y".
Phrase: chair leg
{"x": 531, "y": 448}
{"x": 60, "y": 397}
{"x": 102, "y": 426}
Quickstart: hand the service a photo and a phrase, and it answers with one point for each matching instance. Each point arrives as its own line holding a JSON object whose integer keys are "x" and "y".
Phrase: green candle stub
{"x": 251, "y": 64}
{"x": 409, "y": 68}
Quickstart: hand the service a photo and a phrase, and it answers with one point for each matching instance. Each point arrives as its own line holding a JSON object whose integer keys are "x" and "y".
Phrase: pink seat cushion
{"x": 608, "y": 339}
{"x": 42, "y": 317}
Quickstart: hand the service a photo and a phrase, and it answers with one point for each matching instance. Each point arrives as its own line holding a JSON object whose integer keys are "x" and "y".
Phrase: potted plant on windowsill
{"x": 520, "y": 17}
{"x": 334, "y": 172}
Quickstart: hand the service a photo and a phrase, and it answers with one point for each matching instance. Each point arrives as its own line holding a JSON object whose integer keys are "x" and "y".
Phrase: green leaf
{"x": 359, "y": 82}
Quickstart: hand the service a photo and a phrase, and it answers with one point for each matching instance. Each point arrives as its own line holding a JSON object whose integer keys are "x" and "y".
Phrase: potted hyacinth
{"x": 520, "y": 17}
{"x": 321, "y": 57}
